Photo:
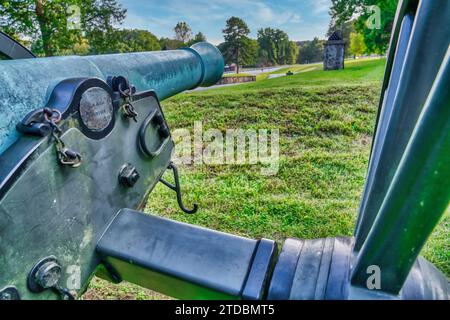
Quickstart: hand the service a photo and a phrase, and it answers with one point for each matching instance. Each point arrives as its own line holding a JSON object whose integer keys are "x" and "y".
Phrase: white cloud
{"x": 320, "y": 6}
{"x": 299, "y": 18}
{"x": 265, "y": 14}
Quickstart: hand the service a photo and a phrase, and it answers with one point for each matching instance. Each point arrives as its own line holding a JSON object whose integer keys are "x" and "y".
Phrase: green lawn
{"x": 294, "y": 68}
{"x": 326, "y": 121}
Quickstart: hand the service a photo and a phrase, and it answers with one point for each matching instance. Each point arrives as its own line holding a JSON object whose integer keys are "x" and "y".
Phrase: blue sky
{"x": 301, "y": 19}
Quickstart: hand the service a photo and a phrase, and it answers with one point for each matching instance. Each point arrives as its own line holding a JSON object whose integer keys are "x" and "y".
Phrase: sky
{"x": 300, "y": 19}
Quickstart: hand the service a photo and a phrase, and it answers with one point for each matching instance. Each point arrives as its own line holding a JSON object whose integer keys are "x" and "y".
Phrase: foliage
{"x": 98, "y": 20}
{"x": 357, "y": 45}
{"x": 170, "y": 44}
{"x": 136, "y": 41}
{"x": 376, "y": 38}
{"x": 310, "y": 51}
{"x": 271, "y": 47}
{"x": 124, "y": 40}
{"x": 81, "y": 48}
{"x": 237, "y": 46}
{"x": 199, "y": 37}
{"x": 183, "y": 32}
{"x": 48, "y": 23}
{"x": 275, "y": 47}
{"x": 247, "y": 54}
{"x": 45, "y": 21}
{"x": 253, "y": 50}
{"x": 293, "y": 53}
{"x": 267, "y": 45}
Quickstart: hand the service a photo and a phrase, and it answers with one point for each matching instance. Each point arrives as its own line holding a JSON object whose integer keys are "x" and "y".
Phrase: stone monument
{"x": 334, "y": 53}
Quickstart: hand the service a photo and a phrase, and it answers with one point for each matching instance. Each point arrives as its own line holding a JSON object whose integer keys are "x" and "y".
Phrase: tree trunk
{"x": 44, "y": 27}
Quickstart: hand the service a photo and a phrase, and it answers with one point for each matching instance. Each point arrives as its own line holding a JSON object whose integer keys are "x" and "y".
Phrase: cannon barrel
{"x": 25, "y": 85}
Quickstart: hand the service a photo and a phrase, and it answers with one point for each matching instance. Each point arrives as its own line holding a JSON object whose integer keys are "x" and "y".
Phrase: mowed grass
{"x": 326, "y": 122}
{"x": 294, "y": 69}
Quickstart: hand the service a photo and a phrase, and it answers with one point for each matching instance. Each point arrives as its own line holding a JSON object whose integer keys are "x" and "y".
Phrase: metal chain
{"x": 128, "y": 108}
{"x": 66, "y": 156}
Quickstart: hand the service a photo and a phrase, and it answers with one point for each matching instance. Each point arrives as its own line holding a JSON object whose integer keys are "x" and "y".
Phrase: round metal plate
{"x": 96, "y": 109}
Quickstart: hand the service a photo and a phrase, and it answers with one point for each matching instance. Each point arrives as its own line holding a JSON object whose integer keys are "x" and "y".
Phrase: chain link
{"x": 127, "y": 108}
{"x": 66, "y": 156}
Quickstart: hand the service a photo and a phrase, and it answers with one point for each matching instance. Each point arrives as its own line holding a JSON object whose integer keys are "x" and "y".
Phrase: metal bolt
{"x": 48, "y": 275}
{"x": 128, "y": 175}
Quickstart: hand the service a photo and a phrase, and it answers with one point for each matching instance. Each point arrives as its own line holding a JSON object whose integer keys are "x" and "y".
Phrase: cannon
{"x": 84, "y": 140}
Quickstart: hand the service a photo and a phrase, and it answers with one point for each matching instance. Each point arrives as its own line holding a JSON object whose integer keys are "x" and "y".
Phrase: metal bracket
{"x": 163, "y": 132}
{"x": 121, "y": 85}
{"x": 177, "y": 189}
{"x": 42, "y": 123}
{"x": 35, "y": 124}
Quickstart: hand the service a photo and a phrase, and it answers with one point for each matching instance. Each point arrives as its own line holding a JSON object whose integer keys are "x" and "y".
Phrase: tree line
{"x": 364, "y": 25}
{"x": 63, "y": 27}
{"x": 271, "y": 47}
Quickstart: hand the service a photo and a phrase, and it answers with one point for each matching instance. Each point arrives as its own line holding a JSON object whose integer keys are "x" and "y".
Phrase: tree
{"x": 183, "y": 32}
{"x": 98, "y": 20}
{"x": 170, "y": 44}
{"x": 282, "y": 46}
{"x": 199, "y": 37}
{"x": 252, "y": 53}
{"x": 293, "y": 52}
{"x": 237, "y": 44}
{"x": 136, "y": 41}
{"x": 81, "y": 48}
{"x": 47, "y": 22}
{"x": 267, "y": 45}
{"x": 37, "y": 19}
{"x": 357, "y": 46}
{"x": 373, "y": 19}
{"x": 263, "y": 58}
{"x": 275, "y": 47}
{"x": 310, "y": 51}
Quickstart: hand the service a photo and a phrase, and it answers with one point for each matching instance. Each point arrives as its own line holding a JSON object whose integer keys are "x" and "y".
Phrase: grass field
{"x": 294, "y": 69}
{"x": 326, "y": 122}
